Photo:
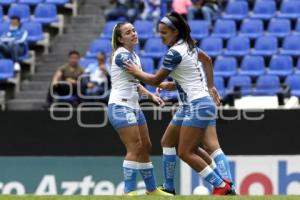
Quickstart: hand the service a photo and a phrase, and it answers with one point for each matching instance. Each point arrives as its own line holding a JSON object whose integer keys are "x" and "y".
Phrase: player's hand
{"x": 158, "y": 100}
{"x": 213, "y": 92}
{"x": 131, "y": 67}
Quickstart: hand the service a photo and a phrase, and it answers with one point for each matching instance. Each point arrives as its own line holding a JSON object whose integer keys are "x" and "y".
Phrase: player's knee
{"x": 182, "y": 153}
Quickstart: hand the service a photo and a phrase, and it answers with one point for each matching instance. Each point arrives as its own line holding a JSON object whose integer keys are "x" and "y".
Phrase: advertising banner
{"x": 253, "y": 175}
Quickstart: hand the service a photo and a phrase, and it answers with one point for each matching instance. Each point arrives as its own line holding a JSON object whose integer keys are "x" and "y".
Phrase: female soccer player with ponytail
{"x": 125, "y": 114}
{"x": 194, "y": 124}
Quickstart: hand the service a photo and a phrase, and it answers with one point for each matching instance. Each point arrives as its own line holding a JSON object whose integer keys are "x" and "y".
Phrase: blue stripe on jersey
{"x": 171, "y": 60}
{"x": 123, "y": 57}
{"x": 182, "y": 94}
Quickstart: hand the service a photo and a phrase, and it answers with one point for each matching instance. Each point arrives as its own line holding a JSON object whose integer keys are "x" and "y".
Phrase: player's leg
{"x": 212, "y": 146}
{"x": 145, "y": 164}
{"x": 124, "y": 121}
{"x": 190, "y": 138}
{"x": 168, "y": 143}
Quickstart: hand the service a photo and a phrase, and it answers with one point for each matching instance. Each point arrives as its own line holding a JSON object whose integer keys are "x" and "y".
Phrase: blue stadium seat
{"x": 45, "y": 13}
{"x": 169, "y": 95}
{"x": 6, "y": 69}
{"x": 219, "y": 85}
{"x": 108, "y": 29}
{"x": 238, "y": 46}
{"x": 264, "y": 10}
{"x": 199, "y": 29}
{"x": 267, "y": 85}
{"x": 20, "y": 10}
{"x": 297, "y": 28}
{"x": 291, "y": 45}
{"x": 293, "y": 81}
{"x": 154, "y": 48}
{"x": 252, "y": 66}
{"x": 225, "y": 66}
{"x": 97, "y": 46}
{"x": 144, "y": 29}
{"x": 243, "y": 82}
{"x": 265, "y": 46}
{"x": 213, "y": 46}
{"x": 279, "y": 27}
{"x": 151, "y": 88}
{"x": 1, "y": 13}
{"x": 281, "y": 65}
{"x": 236, "y": 10}
{"x": 298, "y": 67}
{"x": 7, "y": 2}
{"x": 35, "y": 31}
{"x": 4, "y": 27}
{"x": 147, "y": 65}
{"x": 252, "y": 28}
{"x": 290, "y": 9}
{"x": 58, "y": 2}
{"x": 224, "y": 28}
{"x": 31, "y": 2}
{"x": 85, "y": 62}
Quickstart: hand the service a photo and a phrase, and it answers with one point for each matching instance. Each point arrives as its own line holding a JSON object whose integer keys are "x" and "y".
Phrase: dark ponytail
{"x": 183, "y": 28}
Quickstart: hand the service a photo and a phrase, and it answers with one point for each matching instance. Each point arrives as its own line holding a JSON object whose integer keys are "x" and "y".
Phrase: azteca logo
{"x": 253, "y": 175}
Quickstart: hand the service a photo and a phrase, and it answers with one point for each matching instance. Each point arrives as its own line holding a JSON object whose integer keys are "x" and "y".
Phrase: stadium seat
{"x": 279, "y": 27}
{"x": 199, "y": 29}
{"x": 154, "y": 48}
{"x": 58, "y": 2}
{"x": 45, "y": 13}
{"x": 147, "y": 65}
{"x": 297, "y": 28}
{"x": 144, "y": 29}
{"x": 97, "y": 46}
{"x": 219, "y": 85}
{"x": 151, "y": 88}
{"x": 298, "y": 67}
{"x": 35, "y": 31}
{"x": 7, "y": 2}
{"x": 31, "y": 2}
{"x": 225, "y": 66}
{"x": 293, "y": 81}
{"x": 252, "y": 66}
{"x": 1, "y": 13}
{"x": 4, "y": 27}
{"x": 224, "y": 28}
{"x": 291, "y": 45}
{"x": 20, "y": 10}
{"x": 6, "y": 69}
{"x": 265, "y": 46}
{"x": 85, "y": 62}
{"x": 281, "y": 65}
{"x": 213, "y": 46}
{"x": 238, "y": 46}
{"x": 236, "y": 10}
{"x": 243, "y": 83}
{"x": 169, "y": 95}
{"x": 252, "y": 28}
{"x": 264, "y": 10}
{"x": 267, "y": 85}
{"x": 289, "y": 9}
{"x": 108, "y": 29}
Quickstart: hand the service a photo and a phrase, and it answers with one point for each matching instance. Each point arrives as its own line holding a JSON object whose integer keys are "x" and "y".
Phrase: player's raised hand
{"x": 213, "y": 92}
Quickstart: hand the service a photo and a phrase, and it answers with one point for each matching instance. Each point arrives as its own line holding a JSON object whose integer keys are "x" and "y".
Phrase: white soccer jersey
{"x": 187, "y": 72}
{"x": 124, "y": 86}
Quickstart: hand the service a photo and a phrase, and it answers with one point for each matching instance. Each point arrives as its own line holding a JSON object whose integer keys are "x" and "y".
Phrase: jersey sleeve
{"x": 171, "y": 60}
{"x": 122, "y": 58}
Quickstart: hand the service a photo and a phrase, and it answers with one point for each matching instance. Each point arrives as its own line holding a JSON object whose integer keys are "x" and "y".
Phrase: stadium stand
{"x": 255, "y": 41}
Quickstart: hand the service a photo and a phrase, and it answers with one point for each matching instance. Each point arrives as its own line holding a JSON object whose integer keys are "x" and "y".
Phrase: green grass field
{"x": 10, "y": 197}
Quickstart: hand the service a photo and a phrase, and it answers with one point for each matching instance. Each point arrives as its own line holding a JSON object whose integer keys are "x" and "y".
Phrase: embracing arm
{"x": 208, "y": 68}
{"x": 156, "y": 99}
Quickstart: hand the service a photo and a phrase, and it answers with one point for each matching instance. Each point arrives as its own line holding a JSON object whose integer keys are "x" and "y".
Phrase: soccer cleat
{"x": 226, "y": 190}
{"x": 159, "y": 192}
{"x": 132, "y": 193}
{"x": 233, "y": 192}
{"x": 161, "y": 187}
